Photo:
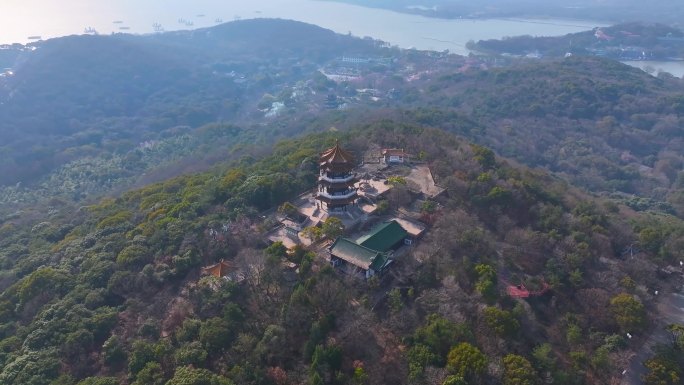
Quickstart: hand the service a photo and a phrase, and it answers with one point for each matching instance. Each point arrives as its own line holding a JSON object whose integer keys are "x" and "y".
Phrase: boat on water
{"x": 181, "y": 21}
{"x": 157, "y": 27}
{"x": 218, "y": 20}
{"x": 36, "y": 37}
{"x": 189, "y": 23}
{"x": 90, "y": 30}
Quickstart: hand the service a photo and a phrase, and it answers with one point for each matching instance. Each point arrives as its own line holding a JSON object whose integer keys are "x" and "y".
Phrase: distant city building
{"x": 331, "y": 102}
{"x": 355, "y": 60}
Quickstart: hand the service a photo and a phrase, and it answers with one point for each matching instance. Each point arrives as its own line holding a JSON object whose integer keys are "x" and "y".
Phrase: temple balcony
{"x": 338, "y": 195}
{"x": 336, "y": 179}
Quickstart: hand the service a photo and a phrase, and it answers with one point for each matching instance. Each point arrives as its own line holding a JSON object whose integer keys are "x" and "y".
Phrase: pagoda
{"x": 336, "y": 180}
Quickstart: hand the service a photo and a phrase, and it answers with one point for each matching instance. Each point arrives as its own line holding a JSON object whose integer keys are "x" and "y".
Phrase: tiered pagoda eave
{"x": 336, "y": 181}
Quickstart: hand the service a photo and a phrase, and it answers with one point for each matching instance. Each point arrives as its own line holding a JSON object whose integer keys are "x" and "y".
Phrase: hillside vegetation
{"x": 83, "y": 96}
{"x": 666, "y": 11}
{"x": 602, "y": 125}
{"x": 626, "y": 41}
{"x": 132, "y": 109}
{"x": 110, "y": 293}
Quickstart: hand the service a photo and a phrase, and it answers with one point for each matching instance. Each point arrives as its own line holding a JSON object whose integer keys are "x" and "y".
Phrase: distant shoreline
{"x": 528, "y": 11}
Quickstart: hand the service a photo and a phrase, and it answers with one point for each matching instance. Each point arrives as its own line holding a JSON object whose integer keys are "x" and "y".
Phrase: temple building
{"x": 358, "y": 260}
{"x": 336, "y": 181}
{"x": 385, "y": 237}
{"x": 395, "y": 155}
{"x": 371, "y": 254}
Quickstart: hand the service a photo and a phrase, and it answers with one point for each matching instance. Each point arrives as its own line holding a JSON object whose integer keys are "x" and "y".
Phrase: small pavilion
{"x": 219, "y": 270}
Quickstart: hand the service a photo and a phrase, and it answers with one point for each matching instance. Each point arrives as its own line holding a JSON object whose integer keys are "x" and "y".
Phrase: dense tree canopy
{"x": 114, "y": 289}
{"x": 629, "y": 313}
{"x": 466, "y": 361}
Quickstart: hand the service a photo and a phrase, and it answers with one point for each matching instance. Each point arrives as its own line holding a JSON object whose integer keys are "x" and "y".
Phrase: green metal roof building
{"x": 384, "y": 237}
{"x": 369, "y": 254}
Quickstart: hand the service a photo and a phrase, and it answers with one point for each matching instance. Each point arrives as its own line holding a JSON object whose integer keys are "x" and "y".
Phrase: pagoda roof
{"x": 336, "y": 155}
{"x": 220, "y": 269}
{"x": 384, "y": 236}
{"x": 358, "y": 255}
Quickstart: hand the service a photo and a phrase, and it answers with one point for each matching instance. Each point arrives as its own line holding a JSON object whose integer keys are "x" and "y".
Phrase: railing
{"x": 344, "y": 195}
{"x": 336, "y": 180}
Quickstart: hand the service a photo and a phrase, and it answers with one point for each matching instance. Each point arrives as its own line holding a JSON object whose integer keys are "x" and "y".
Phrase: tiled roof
{"x": 384, "y": 236}
{"x": 220, "y": 269}
{"x": 336, "y": 155}
{"x": 358, "y": 255}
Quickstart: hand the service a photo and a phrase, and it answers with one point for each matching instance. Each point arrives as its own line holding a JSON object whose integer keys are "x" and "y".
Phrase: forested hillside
{"x": 666, "y": 11}
{"x": 80, "y": 96}
{"x": 128, "y": 163}
{"x": 625, "y": 41}
{"x": 603, "y": 125}
{"x": 111, "y": 293}
{"x": 127, "y": 110}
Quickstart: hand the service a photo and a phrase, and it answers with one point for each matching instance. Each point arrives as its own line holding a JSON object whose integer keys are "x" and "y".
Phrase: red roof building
{"x": 520, "y": 291}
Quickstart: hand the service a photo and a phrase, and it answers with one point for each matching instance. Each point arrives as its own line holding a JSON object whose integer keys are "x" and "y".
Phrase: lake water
{"x": 676, "y": 68}
{"x": 20, "y": 19}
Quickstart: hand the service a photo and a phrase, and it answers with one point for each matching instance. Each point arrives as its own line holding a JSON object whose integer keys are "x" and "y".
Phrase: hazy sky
{"x": 22, "y": 18}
